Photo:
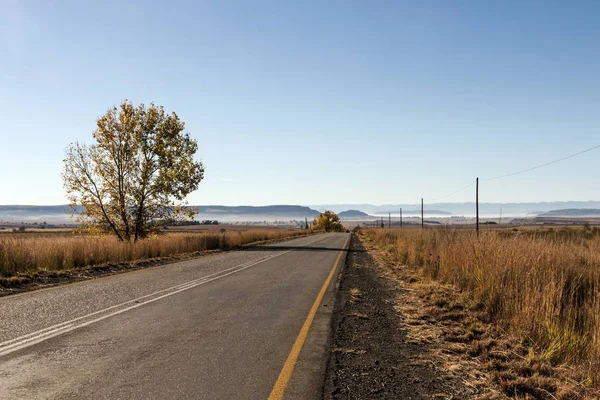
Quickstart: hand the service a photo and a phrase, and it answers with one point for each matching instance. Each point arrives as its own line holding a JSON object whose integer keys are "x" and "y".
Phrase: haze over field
{"x": 58, "y": 214}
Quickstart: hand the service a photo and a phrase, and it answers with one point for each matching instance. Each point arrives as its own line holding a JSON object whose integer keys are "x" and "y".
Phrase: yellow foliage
{"x": 136, "y": 174}
{"x": 329, "y": 222}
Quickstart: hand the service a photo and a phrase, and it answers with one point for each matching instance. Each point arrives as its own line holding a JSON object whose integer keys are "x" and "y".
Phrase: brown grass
{"x": 355, "y": 295}
{"x": 27, "y": 253}
{"x": 540, "y": 287}
{"x": 347, "y": 351}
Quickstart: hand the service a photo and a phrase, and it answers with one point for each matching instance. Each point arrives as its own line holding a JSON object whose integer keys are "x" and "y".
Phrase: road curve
{"x": 217, "y": 327}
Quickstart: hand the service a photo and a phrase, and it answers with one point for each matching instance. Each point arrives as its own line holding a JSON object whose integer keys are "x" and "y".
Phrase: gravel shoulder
{"x": 372, "y": 355}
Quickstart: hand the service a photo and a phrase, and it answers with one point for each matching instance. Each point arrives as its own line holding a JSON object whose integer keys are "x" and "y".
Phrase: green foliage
{"x": 139, "y": 170}
{"x": 329, "y": 222}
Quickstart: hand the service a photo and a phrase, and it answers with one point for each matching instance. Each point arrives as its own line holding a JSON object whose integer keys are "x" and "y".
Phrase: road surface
{"x": 236, "y": 325}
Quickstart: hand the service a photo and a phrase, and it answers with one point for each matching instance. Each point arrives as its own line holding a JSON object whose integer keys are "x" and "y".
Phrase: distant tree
{"x": 139, "y": 171}
{"x": 329, "y": 222}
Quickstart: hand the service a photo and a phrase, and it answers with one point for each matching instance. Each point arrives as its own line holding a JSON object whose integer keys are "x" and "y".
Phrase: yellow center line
{"x": 286, "y": 373}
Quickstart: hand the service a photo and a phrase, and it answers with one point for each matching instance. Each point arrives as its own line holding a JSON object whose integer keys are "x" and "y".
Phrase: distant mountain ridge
{"x": 25, "y": 213}
{"x": 572, "y": 212}
{"x": 467, "y": 208}
{"x": 302, "y": 211}
{"x": 58, "y": 213}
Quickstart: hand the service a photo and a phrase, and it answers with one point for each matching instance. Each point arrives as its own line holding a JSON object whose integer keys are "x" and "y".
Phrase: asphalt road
{"x": 226, "y": 326}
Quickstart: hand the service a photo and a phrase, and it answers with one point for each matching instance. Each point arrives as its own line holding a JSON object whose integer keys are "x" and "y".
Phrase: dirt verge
{"x": 400, "y": 336}
{"x": 372, "y": 353}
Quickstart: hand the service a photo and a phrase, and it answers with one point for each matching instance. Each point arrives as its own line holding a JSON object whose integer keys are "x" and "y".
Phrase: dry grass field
{"x": 541, "y": 287}
{"x": 33, "y": 252}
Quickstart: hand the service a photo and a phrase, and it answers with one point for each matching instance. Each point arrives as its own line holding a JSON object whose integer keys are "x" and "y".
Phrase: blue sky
{"x": 314, "y": 102}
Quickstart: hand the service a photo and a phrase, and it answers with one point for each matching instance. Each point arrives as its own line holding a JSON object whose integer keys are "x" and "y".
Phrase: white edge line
{"x": 54, "y": 327}
{"x": 30, "y": 339}
{"x": 48, "y": 335}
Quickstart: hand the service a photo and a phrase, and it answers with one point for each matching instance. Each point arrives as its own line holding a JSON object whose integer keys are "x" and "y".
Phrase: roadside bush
{"x": 328, "y": 222}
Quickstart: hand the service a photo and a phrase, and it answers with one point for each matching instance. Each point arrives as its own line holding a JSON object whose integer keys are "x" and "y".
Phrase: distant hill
{"x": 353, "y": 214}
{"x": 572, "y": 212}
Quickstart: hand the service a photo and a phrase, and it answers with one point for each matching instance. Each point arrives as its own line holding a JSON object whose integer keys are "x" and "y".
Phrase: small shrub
{"x": 328, "y": 222}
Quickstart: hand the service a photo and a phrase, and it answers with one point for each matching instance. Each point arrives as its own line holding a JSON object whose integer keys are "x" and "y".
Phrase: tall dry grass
{"x": 26, "y": 253}
{"x": 543, "y": 287}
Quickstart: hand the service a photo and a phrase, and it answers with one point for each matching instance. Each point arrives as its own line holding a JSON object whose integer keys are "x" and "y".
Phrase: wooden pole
{"x": 389, "y": 220}
{"x": 422, "y": 220}
{"x": 477, "y": 204}
{"x": 400, "y": 217}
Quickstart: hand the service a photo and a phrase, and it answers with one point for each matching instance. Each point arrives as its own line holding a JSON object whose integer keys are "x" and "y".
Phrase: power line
{"x": 542, "y": 165}
{"x": 455, "y": 192}
{"x": 518, "y": 172}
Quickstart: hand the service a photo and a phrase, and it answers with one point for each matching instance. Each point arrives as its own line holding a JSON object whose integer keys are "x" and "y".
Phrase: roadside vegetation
{"x": 135, "y": 176}
{"x": 328, "y": 221}
{"x": 538, "y": 289}
{"x": 33, "y": 252}
{"x": 124, "y": 189}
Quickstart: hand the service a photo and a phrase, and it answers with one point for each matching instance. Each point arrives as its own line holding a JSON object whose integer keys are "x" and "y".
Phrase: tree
{"x": 135, "y": 176}
{"x": 329, "y": 222}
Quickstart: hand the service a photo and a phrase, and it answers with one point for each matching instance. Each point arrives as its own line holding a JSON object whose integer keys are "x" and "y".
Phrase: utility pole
{"x": 477, "y": 204}
{"x": 422, "y": 220}
{"x": 400, "y": 217}
{"x": 500, "y": 221}
{"x": 389, "y": 220}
